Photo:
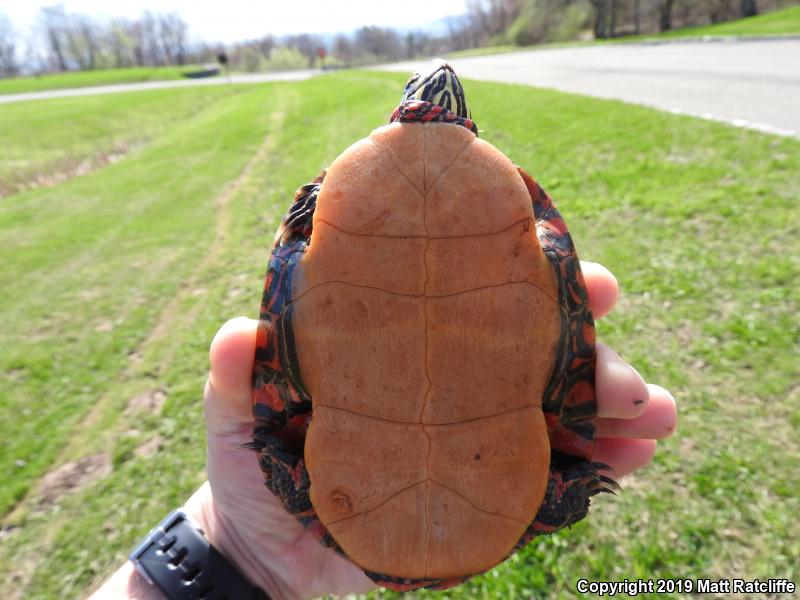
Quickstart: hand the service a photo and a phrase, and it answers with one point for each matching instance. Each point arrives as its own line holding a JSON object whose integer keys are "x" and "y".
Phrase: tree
{"x": 8, "y": 60}
{"x": 493, "y": 17}
{"x": 411, "y": 45}
{"x": 82, "y": 43}
{"x": 172, "y": 38}
{"x": 266, "y": 45}
{"x": 748, "y": 8}
{"x": 380, "y": 43}
{"x": 150, "y": 39}
{"x": 343, "y": 49}
{"x": 459, "y": 33}
{"x": 120, "y": 43}
{"x": 137, "y": 35}
{"x": 53, "y": 21}
{"x": 612, "y": 25}
{"x": 605, "y": 18}
{"x": 307, "y": 45}
{"x": 665, "y": 15}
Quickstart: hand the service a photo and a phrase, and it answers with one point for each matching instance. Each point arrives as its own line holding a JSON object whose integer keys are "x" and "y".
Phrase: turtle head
{"x": 439, "y": 85}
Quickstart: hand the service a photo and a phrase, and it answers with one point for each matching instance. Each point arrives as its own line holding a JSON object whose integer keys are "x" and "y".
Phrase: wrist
{"x": 127, "y": 584}
{"x": 223, "y": 535}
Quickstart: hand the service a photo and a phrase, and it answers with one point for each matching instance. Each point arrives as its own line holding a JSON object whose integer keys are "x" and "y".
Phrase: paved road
{"x": 747, "y": 83}
{"x": 157, "y": 85}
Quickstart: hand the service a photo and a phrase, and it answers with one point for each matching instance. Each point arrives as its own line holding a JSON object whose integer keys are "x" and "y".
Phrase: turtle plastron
{"x": 549, "y": 323}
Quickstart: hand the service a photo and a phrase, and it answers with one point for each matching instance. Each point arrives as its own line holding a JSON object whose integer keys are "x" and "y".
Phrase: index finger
{"x": 602, "y": 287}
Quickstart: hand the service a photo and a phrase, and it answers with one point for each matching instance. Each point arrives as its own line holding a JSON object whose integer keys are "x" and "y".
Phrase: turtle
{"x": 423, "y": 384}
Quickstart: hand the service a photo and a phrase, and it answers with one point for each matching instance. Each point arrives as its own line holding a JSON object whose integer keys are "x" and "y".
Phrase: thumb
{"x": 228, "y": 390}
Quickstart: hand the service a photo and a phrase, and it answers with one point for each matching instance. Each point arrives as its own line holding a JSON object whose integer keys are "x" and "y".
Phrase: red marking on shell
{"x": 577, "y": 363}
{"x": 551, "y": 420}
{"x": 560, "y": 487}
{"x": 565, "y": 440}
{"x": 575, "y": 297}
{"x": 297, "y": 472}
{"x": 580, "y": 392}
{"x": 558, "y": 226}
{"x": 542, "y": 528}
{"x": 557, "y": 389}
{"x": 273, "y": 364}
{"x": 294, "y": 395}
{"x": 589, "y": 333}
{"x": 300, "y": 421}
{"x": 268, "y": 281}
{"x": 546, "y": 227}
{"x": 267, "y": 394}
{"x": 408, "y": 587}
{"x": 261, "y": 335}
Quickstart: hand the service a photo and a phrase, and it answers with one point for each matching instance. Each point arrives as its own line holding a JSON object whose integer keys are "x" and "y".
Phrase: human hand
{"x": 248, "y": 524}
{"x": 631, "y": 414}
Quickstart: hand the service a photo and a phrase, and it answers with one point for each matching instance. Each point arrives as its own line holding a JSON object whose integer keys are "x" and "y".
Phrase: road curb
{"x": 714, "y": 39}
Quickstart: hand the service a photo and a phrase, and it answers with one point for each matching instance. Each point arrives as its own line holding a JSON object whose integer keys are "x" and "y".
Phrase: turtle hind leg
{"x": 570, "y": 486}
{"x": 288, "y": 478}
{"x": 569, "y": 490}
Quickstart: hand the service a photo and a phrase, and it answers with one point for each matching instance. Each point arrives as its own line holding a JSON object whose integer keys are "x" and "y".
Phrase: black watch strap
{"x": 177, "y": 558}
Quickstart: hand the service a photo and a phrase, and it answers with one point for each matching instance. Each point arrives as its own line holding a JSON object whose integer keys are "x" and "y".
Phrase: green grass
{"x": 779, "y": 22}
{"x": 115, "y": 230}
{"x": 79, "y": 79}
{"x": 45, "y": 142}
{"x": 120, "y": 279}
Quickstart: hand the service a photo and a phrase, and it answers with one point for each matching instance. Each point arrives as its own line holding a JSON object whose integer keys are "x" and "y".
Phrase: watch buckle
{"x": 156, "y": 535}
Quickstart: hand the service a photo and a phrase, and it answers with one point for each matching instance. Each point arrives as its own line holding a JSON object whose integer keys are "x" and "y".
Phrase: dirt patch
{"x": 223, "y": 223}
{"x": 235, "y": 292}
{"x": 150, "y": 401}
{"x": 150, "y": 447}
{"x": 72, "y": 476}
{"x": 67, "y": 168}
{"x": 104, "y": 326}
{"x": 7, "y": 530}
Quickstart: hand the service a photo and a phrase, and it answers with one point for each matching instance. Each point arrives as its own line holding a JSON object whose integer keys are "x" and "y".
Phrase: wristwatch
{"x": 177, "y": 558}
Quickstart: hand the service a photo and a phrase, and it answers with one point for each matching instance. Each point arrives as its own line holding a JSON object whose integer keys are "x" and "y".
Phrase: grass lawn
{"x": 46, "y": 142}
{"x": 779, "y": 22}
{"x": 76, "y": 79}
{"x": 121, "y": 277}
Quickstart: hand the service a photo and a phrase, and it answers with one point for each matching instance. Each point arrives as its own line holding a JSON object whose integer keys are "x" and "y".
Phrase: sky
{"x": 235, "y": 20}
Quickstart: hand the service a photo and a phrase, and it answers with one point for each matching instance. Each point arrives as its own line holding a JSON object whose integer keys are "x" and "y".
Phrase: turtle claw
{"x": 603, "y": 484}
{"x": 613, "y": 484}
{"x": 602, "y": 467}
{"x": 567, "y": 497}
